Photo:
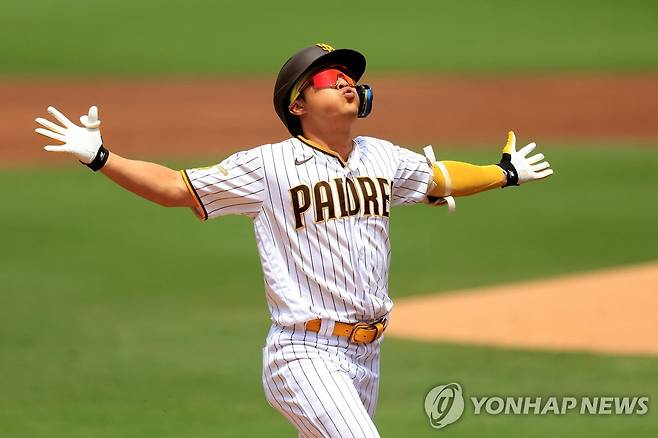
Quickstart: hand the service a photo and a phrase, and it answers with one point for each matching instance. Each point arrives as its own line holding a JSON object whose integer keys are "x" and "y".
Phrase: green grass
{"x": 118, "y": 37}
{"x": 119, "y": 318}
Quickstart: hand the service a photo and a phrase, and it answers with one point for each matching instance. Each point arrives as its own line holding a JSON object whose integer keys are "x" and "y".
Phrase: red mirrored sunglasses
{"x": 328, "y": 79}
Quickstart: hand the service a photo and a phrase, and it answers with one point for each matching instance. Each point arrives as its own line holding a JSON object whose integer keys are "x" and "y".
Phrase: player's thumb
{"x": 90, "y": 120}
{"x": 510, "y": 146}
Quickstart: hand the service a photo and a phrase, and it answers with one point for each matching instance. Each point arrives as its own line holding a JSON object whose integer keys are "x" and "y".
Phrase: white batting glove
{"x": 518, "y": 168}
{"x": 84, "y": 142}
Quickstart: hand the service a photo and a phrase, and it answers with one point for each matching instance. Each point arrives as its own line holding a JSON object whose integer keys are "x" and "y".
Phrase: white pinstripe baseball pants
{"x": 324, "y": 385}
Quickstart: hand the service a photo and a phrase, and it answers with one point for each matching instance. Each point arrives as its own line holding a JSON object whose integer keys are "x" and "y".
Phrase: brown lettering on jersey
{"x": 352, "y": 194}
{"x": 385, "y": 188}
{"x": 300, "y": 197}
{"x": 340, "y": 190}
{"x": 323, "y": 200}
{"x": 369, "y": 192}
{"x": 340, "y": 198}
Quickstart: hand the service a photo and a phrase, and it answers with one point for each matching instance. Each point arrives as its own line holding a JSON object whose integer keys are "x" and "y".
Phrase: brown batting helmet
{"x": 305, "y": 61}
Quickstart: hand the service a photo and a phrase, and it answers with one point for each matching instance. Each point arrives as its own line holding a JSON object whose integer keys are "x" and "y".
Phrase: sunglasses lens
{"x": 329, "y": 78}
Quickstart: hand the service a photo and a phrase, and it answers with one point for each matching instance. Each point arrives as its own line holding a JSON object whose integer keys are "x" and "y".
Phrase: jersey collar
{"x": 354, "y": 155}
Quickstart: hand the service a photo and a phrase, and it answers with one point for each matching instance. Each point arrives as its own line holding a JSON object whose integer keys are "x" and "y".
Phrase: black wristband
{"x": 99, "y": 160}
{"x": 510, "y": 171}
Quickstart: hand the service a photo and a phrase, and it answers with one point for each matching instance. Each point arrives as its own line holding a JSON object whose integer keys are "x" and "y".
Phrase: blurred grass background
{"x": 115, "y": 37}
{"x": 121, "y": 319}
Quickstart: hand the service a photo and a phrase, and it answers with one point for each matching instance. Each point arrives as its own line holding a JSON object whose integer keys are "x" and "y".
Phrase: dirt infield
{"x": 611, "y": 311}
{"x": 177, "y": 117}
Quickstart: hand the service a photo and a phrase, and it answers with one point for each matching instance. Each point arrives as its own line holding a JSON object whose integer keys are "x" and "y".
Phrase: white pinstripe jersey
{"x": 321, "y": 223}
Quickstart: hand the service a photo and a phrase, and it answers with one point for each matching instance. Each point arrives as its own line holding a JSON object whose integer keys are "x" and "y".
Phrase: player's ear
{"x": 297, "y": 107}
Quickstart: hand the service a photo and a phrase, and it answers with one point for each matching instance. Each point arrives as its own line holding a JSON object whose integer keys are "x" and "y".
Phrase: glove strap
{"x": 99, "y": 160}
{"x": 510, "y": 171}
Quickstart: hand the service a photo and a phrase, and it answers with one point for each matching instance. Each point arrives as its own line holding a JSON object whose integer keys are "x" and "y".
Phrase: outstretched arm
{"x": 455, "y": 178}
{"x": 151, "y": 181}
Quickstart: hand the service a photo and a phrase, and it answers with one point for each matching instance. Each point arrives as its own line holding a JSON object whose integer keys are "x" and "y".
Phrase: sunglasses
{"x": 327, "y": 78}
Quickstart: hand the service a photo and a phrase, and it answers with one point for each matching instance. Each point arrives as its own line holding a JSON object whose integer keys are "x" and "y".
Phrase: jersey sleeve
{"x": 234, "y": 186}
{"x": 412, "y": 177}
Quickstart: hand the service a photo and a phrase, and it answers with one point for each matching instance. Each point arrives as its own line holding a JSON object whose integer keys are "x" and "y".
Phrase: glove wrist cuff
{"x": 99, "y": 160}
{"x": 511, "y": 174}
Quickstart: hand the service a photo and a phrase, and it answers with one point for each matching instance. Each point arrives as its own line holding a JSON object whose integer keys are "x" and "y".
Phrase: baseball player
{"x": 320, "y": 202}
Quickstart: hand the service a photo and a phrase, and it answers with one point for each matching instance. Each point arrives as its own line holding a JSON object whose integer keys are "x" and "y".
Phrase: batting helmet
{"x": 305, "y": 61}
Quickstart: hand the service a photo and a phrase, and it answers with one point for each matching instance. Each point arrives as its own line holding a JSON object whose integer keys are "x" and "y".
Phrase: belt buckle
{"x": 356, "y": 327}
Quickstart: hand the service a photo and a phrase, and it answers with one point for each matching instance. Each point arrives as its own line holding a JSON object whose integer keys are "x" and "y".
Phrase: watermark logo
{"x": 553, "y": 405}
{"x": 444, "y": 405}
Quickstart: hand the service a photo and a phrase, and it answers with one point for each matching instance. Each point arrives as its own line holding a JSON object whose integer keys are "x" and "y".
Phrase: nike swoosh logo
{"x": 298, "y": 161}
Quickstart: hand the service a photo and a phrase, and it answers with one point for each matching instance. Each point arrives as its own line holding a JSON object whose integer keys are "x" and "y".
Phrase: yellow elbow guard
{"x": 461, "y": 179}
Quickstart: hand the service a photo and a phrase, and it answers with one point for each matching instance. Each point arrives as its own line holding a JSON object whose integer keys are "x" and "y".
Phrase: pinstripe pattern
{"x": 333, "y": 269}
{"x": 234, "y": 186}
{"x": 323, "y": 385}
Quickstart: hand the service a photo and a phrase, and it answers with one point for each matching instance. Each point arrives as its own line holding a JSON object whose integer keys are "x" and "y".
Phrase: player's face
{"x": 330, "y": 93}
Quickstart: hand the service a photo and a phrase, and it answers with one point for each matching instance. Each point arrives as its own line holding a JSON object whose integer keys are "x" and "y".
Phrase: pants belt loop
{"x": 326, "y": 327}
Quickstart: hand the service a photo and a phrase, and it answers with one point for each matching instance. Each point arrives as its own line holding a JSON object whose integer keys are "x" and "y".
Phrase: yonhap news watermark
{"x": 445, "y": 404}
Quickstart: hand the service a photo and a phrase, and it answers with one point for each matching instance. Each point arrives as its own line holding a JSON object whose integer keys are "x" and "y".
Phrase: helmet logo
{"x": 325, "y": 47}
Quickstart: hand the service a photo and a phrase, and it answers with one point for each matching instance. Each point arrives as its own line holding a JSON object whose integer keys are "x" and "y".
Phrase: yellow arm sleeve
{"x": 464, "y": 179}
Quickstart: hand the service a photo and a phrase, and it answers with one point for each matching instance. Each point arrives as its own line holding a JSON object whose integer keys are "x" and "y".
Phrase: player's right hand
{"x": 84, "y": 142}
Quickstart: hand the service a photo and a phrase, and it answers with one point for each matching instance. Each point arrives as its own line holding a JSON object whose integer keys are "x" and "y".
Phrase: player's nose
{"x": 342, "y": 83}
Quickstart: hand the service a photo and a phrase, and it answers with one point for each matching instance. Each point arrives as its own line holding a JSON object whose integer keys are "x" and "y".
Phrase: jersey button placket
{"x": 352, "y": 221}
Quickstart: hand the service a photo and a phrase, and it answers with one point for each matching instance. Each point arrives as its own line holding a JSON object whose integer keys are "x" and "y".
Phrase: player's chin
{"x": 344, "y": 110}
{"x": 352, "y": 107}
{"x": 349, "y": 114}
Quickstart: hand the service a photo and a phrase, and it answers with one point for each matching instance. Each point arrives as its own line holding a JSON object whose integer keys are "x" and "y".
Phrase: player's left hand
{"x": 518, "y": 167}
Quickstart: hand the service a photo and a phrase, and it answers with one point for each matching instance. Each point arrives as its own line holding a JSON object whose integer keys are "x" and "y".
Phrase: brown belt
{"x": 359, "y": 333}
